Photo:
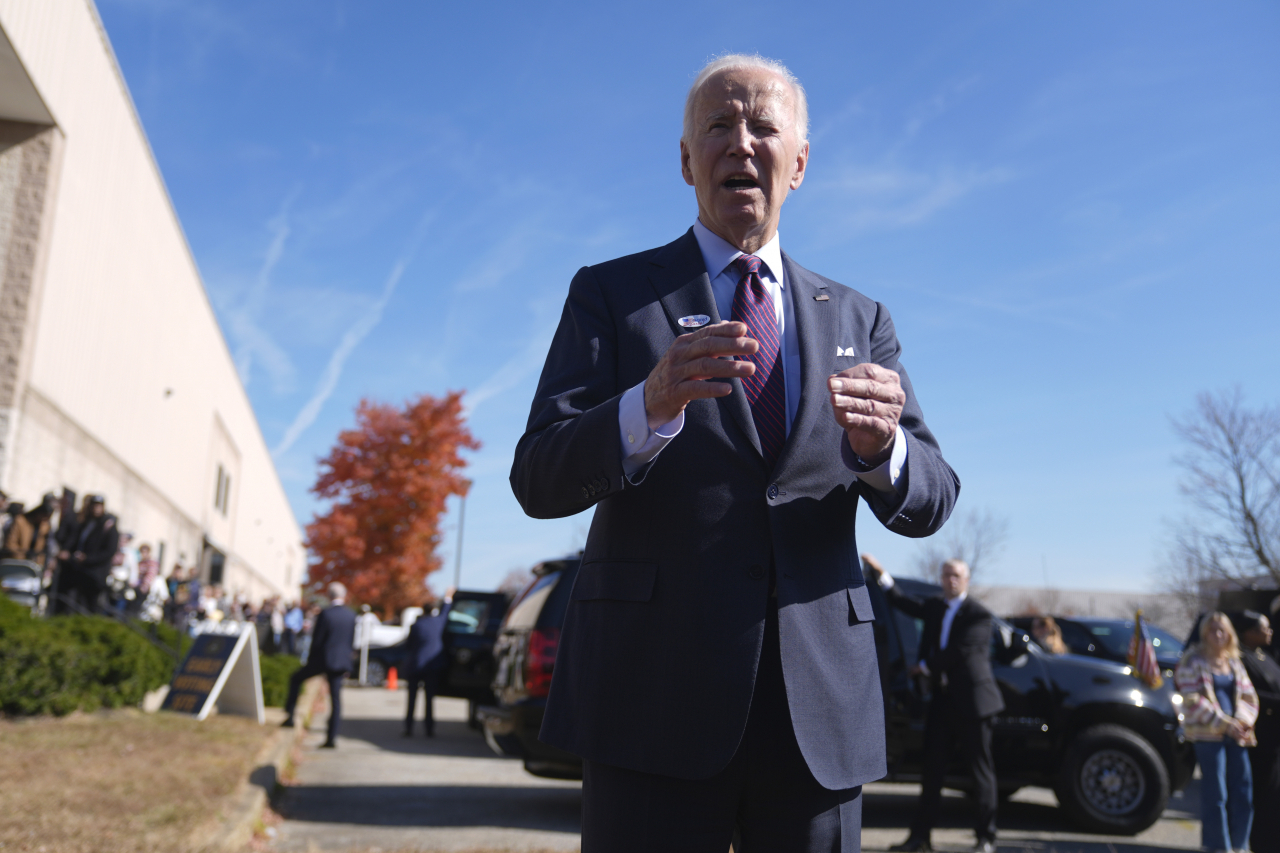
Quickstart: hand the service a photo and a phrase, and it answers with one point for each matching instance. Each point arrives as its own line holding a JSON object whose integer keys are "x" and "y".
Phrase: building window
{"x": 222, "y": 493}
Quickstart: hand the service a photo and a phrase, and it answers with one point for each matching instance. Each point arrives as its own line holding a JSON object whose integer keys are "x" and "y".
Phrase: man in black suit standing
{"x": 724, "y": 411}
{"x": 425, "y": 660}
{"x": 955, "y": 655}
{"x": 92, "y": 547}
{"x": 332, "y": 642}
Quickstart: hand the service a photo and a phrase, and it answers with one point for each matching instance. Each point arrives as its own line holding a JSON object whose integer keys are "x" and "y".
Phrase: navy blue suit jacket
{"x": 658, "y": 654}
{"x": 333, "y": 638}
{"x": 426, "y": 640}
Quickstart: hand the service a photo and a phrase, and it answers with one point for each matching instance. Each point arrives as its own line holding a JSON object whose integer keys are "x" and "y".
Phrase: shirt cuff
{"x": 884, "y": 478}
{"x": 640, "y": 445}
{"x": 886, "y": 580}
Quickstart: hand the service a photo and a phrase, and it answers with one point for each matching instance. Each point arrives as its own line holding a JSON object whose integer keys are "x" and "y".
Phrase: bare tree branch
{"x": 1232, "y": 478}
{"x": 978, "y": 537}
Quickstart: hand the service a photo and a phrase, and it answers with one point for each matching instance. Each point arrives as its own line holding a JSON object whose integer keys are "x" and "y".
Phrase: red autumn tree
{"x": 388, "y": 480}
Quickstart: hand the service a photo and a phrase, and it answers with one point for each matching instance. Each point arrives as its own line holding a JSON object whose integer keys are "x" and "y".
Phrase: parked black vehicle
{"x": 469, "y": 637}
{"x": 1109, "y": 746}
{"x": 526, "y": 654}
{"x": 20, "y": 581}
{"x": 1109, "y": 638}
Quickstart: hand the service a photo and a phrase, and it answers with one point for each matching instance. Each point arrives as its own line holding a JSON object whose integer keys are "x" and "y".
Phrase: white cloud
{"x": 350, "y": 340}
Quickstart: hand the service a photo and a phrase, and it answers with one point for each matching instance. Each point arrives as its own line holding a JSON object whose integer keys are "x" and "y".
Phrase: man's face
{"x": 955, "y": 580}
{"x": 96, "y": 510}
{"x": 744, "y": 154}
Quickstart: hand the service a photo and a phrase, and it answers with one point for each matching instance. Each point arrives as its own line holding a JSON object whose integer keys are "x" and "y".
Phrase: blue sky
{"x": 1070, "y": 209}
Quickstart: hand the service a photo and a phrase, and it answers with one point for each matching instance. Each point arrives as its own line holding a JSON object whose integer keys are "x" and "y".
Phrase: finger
{"x": 720, "y": 345}
{"x": 694, "y": 390}
{"x": 871, "y": 370}
{"x": 706, "y": 368}
{"x": 725, "y": 328}
{"x": 867, "y": 389}
{"x": 878, "y": 427}
{"x": 862, "y": 406}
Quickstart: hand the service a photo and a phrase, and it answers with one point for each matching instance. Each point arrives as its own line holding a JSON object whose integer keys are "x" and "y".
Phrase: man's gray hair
{"x": 337, "y": 591}
{"x": 744, "y": 60}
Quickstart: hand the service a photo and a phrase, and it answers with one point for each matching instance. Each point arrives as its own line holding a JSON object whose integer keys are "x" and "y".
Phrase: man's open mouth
{"x": 740, "y": 184}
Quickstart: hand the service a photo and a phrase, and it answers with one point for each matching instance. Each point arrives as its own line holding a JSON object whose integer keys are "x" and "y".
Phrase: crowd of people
{"x": 89, "y": 565}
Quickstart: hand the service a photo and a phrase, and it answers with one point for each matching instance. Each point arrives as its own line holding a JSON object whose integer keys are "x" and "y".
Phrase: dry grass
{"x": 118, "y": 781}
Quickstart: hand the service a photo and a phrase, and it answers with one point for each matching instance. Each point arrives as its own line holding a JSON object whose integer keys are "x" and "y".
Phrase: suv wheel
{"x": 1113, "y": 781}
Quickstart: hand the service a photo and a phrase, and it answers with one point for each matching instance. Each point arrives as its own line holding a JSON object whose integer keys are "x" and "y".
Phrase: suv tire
{"x": 1113, "y": 781}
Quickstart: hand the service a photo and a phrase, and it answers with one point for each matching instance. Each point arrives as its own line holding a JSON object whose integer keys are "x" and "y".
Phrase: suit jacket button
{"x": 756, "y": 572}
{"x": 772, "y": 491}
{"x": 585, "y": 493}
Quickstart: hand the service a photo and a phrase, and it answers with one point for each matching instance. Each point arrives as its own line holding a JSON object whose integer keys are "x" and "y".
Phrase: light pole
{"x": 457, "y": 557}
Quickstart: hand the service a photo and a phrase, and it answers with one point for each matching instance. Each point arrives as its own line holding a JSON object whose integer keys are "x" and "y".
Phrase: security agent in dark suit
{"x": 955, "y": 655}
{"x": 332, "y": 641}
{"x": 425, "y": 661}
{"x": 717, "y": 668}
{"x": 88, "y": 553}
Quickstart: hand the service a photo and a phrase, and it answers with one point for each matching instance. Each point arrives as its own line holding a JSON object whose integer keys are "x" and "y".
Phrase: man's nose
{"x": 741, "y": 141}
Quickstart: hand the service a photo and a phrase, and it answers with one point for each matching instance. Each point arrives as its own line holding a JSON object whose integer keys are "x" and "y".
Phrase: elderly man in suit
{"x": 332, "y": 642}
{"x": 724, "y": 409}
{"x": 955, "y": 655}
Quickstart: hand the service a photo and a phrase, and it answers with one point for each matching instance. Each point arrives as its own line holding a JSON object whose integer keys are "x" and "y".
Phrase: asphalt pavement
{"x": 380, "y": 791}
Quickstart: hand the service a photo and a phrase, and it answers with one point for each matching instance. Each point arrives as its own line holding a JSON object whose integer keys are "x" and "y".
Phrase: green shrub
{"x": 276, "y": 670}
{"x": 56, "y": 666}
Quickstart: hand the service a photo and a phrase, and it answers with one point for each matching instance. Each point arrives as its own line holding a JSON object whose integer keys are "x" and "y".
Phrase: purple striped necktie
{"x": 766, "y": 388}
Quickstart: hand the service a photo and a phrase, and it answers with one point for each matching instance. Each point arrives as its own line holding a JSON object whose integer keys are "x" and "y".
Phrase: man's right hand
{"x": 873, "y": 567}
{"x": 678, "y": 377}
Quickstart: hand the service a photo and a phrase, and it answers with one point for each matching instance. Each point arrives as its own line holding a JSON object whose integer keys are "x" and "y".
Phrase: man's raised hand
{"x": 867, "y": 402}
{"x": 678, "y": 376}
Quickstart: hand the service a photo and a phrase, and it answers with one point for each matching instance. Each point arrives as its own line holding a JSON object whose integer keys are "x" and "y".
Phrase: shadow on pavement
{"x": 894, "y": 809}
{"x": 553, "y": 809}
{"x": 453, "y": 738}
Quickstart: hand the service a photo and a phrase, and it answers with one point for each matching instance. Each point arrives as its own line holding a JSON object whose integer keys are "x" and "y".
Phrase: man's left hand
{"x": 867, "y": 401}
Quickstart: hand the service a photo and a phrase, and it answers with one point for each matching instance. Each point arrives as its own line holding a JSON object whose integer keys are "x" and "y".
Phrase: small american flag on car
{"x": 1142, "y": 655}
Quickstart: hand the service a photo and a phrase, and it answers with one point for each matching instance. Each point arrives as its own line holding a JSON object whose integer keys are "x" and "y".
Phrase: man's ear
{"x": 684, "y": 164}
{"x": 802, "y": 162}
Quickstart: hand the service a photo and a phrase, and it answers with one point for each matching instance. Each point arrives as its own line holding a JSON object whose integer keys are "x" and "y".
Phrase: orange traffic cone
{"x": 392, "y": 682}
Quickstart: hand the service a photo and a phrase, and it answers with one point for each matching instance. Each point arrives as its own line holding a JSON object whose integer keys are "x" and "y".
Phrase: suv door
{"x": 1022, "y": 739}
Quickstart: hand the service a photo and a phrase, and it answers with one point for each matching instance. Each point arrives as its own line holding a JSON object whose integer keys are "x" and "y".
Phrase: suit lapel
{"x": 680, "y": 278}
{"x": 816, "y": 329}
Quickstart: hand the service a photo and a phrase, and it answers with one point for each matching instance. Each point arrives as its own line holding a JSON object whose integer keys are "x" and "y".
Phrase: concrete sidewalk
{"x": 379, "y": 791}
{"x": 447, "y": 793}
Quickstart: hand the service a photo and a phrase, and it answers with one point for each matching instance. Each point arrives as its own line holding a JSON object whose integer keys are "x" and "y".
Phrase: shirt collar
{"x": 718, "y": 253}
{"x": 957, "y": 601}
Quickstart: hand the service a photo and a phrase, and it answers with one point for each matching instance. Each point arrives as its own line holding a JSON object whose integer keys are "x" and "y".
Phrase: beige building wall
{"x": 114, "y": 375}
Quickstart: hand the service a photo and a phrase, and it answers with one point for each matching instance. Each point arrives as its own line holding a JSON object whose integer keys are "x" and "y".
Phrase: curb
{"x": 235, "y": 828}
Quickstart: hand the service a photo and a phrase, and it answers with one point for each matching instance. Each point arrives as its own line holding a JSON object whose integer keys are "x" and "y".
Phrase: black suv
{"x": 1109, "y": 746}
{"x": 468, "y": 640}
{"x": 525, "y": 655}
{"x": 1096, "y": 637}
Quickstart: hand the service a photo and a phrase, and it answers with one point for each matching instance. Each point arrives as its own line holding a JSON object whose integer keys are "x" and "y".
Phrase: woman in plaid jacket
{"x": 1220, "y": 708}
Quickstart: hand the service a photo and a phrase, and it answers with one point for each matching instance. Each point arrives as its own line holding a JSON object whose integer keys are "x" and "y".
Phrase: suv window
{"x": 1077, "y": 637}
{"x": 468, "y": 616}
{"x": 524, "y": 613}
{"x": 553, "y": 612}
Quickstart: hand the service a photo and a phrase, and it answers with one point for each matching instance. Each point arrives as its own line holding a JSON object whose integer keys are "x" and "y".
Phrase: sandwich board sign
{"x": 221, "y": 669}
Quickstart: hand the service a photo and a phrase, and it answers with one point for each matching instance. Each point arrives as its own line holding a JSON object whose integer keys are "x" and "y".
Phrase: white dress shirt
{"x": 640, "y": 445}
